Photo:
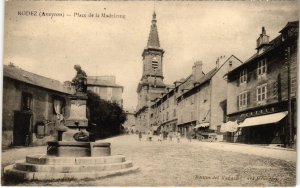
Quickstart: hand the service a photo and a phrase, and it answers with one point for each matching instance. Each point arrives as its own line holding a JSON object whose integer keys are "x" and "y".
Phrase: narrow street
{"x": 186, "y": 164}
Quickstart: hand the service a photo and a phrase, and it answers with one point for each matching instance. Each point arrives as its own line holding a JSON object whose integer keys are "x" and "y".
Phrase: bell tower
{"x": 153, "y": 54}
{"x": 151, "y": 84}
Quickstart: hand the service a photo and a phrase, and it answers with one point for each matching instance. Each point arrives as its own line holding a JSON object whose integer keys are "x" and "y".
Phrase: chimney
{"x": 197, "y": 71}
{"x": 262, "y": 42}
{"x": 218, "y": 63}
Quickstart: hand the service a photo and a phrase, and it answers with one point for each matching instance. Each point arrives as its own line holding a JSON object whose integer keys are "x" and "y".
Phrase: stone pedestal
{"x": 78, "y": 112}
{"x": 77, "y": 120}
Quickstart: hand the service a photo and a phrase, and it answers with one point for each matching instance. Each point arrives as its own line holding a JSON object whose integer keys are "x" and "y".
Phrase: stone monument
{"x": 73, "y": 156}
{"x": 77, "y": 120}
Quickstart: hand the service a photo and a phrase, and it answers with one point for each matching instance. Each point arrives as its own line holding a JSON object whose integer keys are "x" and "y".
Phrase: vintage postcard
{"x": 150, "y": 93}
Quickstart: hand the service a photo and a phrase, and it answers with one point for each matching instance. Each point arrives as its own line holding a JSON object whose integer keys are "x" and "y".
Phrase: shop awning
{"x": 201, "y": 125}
{"x": 262, "y": 120}
{"x": 154, "y": 128}
{"x": 230, "y": 126}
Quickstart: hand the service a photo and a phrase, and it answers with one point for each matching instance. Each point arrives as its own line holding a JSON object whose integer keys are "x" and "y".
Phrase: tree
{"x": 107, "y": 117}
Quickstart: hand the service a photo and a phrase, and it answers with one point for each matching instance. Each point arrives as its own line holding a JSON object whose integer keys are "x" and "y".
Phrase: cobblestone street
{"x": 186, "y": 164}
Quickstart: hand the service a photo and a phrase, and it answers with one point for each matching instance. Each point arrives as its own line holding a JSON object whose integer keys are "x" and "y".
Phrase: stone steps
{"x": 23, "y": 175}
{"x": 71, "y": 168}
{"x": 43, "y": 167}
{"x": 44, "y": 159}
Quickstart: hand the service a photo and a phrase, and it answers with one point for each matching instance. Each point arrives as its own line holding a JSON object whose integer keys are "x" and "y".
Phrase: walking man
{"x": 140, "y": 135}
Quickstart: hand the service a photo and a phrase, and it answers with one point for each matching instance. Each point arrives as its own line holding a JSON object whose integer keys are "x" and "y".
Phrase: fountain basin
{"x": 78, "y": 149}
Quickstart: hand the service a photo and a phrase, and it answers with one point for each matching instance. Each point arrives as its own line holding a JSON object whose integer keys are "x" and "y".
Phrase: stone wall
{"x": 42, "y": 109}
{"x": 219, "y": 92}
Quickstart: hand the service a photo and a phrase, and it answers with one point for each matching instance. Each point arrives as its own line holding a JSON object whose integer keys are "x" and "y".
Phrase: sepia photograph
{"x": 150, "y": 93}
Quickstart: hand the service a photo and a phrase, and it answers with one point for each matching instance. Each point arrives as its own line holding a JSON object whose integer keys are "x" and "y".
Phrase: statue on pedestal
{"x": 80, "y": 80}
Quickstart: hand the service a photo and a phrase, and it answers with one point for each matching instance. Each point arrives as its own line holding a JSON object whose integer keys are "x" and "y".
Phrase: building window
{"x": 167, "y": 116}
{"x": 243, "y": 76}
{"x": 262, "y": 67}
{"x": 243, "y": 100}
{"x": 58, "y": 105}
{"x": 261, "y": 93}
{"x": 174, "y": 112}
{"x": 26, "y": 102}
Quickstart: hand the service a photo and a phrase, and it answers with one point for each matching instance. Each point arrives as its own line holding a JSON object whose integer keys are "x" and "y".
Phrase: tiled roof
{"x": 290, "y": 24}
{"x": 34, "y": 79}
{"x": 273, "y": 44}
{"x": 208, "y": 76}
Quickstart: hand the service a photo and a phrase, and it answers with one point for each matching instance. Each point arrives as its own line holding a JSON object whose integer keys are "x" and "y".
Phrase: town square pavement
{"x": 195, "y": 163}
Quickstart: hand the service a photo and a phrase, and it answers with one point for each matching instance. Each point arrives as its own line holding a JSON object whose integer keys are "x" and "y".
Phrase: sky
{"x": 189, "y": 31}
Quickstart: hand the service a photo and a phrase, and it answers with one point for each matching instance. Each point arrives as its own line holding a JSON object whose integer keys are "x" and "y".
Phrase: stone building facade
{"x": 258, "y": 90}
{"x": 31, "y": 104}
{"x": 194, "y": 102}
{"x": 200, "y": 97}
{"x": 106, "y": 88}
{"x": 163, "y": 111}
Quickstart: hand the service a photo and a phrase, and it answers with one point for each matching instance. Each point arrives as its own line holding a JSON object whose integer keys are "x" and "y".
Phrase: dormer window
{"x": 243, "y": 76}
{"x": 262, "y": 67}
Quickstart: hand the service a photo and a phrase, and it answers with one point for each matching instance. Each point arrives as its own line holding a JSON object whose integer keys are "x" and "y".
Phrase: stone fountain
{"x": 72, "y": 156}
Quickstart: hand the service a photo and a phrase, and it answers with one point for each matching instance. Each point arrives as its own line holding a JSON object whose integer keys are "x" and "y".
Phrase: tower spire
{"x": 153, "y": 40}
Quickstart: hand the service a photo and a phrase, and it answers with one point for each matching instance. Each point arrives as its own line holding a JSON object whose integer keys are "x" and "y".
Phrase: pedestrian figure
{"x": 140, "y": 135}
{"x": 170, "y": 136}
{"x": 178, "y": 137}
{"x": 165, "y": 134}
{"x": 160, "y": 137}
{"x": 149, "y": 136}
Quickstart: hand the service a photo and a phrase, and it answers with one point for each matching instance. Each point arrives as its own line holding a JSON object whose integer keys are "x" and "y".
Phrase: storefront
{"x": 264, "y": 129}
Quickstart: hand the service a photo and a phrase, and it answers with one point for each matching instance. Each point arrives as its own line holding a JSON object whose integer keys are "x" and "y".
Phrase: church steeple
{"x": 153, "y": 40}
{"x": 151, "y": 84}
{"x": 153, "y": 54}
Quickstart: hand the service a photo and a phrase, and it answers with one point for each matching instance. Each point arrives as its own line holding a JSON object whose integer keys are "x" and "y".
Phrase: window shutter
{"x": 248, "y": 76}
{"x": 279, "y": 86}
{"x": 255, "y": 72}
{"x": 270, "y": 91}
{"x": 254, "y": 95}
{"x": 248, "y": 98}
{"x": 237, "y": 102}
{"x": 238, "y": 79}
{"x": 269, "y": 68}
